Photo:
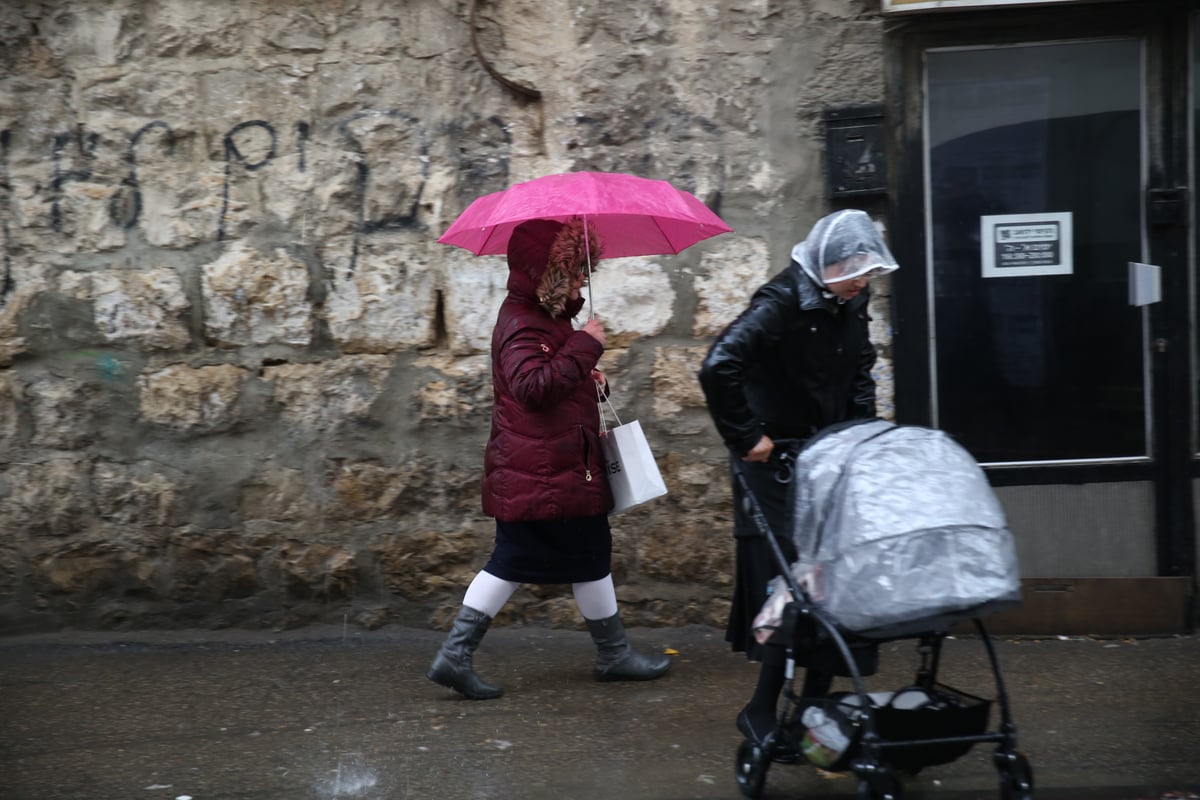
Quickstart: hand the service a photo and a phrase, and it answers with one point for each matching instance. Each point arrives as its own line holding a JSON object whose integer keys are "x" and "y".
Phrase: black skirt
{"x": 757, "y": 566}
{"x": 552, "y": 551}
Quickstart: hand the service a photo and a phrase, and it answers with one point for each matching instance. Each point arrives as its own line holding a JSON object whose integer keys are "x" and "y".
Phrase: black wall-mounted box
{"x": 855, "y": 150}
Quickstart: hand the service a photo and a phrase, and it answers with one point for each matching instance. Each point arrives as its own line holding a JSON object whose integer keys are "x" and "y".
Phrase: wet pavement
{"x": 330, "y": 712}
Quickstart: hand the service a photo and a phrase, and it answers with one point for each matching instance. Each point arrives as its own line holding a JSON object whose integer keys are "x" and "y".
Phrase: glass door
{"x": 1035, "y": 176}
{"x": 1043, "y": 215}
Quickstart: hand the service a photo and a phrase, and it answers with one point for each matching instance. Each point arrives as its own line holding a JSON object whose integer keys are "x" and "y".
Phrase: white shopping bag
{"x": 632, "y": 472}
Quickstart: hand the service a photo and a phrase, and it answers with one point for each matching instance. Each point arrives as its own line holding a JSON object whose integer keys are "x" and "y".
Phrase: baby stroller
{"x": 898, "y": 535}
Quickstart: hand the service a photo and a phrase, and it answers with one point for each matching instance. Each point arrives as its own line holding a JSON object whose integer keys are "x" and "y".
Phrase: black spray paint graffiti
{"x": 302, "y": 144}
{"x": 86, "y": 147}
{"x": 232, "y": 153}
{"x": 391, "y": 221}
{"x": 6, "y": 278}
{"x": 478, "y": 147}
{"x": 126, "y": 204}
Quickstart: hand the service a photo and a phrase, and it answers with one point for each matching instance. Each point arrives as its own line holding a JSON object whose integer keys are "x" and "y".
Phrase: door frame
{"x": 1167, "y": 222}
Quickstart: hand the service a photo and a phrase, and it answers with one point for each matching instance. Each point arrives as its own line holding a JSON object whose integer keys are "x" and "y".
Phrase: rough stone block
{"x": 311, "y": 569}
{"x": 62, "y": 410}
{"x": 427, "y": 563}
{"x": 192, "y": 398}
{"x": 676, "y": 389}
{"x": 475, "y": 287}
{"x": 252, "y": 298}
{"x": 632, "y": 297}
{"x": 319, "y": 396}
{"x": 385, "y": 299}
{"x": 138, "y": 496}
{"x": 279, "y": 494}
{"x": 87, "y": 570}
{"x": 212, "y": 565}
{"x": 730, "y": 271}
{"x": 462, "y": 392}
{"x": 143, "y": 307}
{"x": 47, "y": 499}
{"x": 9, "y": 412}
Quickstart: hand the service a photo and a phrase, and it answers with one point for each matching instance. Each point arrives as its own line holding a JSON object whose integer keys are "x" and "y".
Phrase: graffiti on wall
{"x": 6, "y": 279}
{"x": 478, "y": 147}
{"x": 125, "y": 207}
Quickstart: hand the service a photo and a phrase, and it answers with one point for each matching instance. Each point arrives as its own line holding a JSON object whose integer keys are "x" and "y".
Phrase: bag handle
{"x": 601, "y": 402}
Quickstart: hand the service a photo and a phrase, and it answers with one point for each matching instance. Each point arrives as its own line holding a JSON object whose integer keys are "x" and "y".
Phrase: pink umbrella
{"x": 632, "y": 216}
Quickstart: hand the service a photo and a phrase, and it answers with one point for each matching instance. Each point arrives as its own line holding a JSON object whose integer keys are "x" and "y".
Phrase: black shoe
{"x": 782, "y": 752}
{"x": 746, "y": 728}
{"x": 785, "y": 753}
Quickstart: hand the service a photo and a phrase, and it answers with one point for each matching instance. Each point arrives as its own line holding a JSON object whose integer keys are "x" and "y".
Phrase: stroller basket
{"x": 939, "y": 729}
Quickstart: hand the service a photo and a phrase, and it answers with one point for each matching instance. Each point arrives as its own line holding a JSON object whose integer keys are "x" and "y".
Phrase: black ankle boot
{"x": 616, "y": 660}
{"x": 755, "y": 724}
{"x": 452, "y": 666}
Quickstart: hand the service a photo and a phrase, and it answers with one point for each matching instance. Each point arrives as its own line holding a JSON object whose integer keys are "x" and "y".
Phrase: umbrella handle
{"x": 587, "y": 249}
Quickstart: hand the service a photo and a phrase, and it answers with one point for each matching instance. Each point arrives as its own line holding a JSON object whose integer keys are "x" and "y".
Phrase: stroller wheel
{"x": 751, "y": 768}
{"x": 1016, "y": 776}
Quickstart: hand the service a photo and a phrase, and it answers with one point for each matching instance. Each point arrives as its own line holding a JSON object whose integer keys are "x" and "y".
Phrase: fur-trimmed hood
{"x": 543, "y": 257}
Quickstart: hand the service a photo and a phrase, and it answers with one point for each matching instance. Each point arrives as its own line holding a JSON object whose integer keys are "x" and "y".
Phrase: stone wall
{"x": 241, "y": 384}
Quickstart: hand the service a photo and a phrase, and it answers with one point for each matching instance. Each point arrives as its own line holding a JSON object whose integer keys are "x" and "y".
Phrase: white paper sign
{"x": 1021, "y": 245}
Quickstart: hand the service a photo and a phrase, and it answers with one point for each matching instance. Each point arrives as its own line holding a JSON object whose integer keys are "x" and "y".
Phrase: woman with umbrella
{"x": 796, "y": 360}
{"x": 544, "y": 473}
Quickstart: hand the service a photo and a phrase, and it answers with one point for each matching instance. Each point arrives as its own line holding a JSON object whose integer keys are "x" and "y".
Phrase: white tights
{"x": 487, "y": 593}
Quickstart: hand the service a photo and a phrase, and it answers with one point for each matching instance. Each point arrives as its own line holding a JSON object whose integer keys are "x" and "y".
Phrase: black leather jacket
{"x": 790, "y": 364}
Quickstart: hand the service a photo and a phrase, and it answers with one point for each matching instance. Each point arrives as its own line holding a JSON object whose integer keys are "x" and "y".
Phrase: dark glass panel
{"x": 1046, "y": 367}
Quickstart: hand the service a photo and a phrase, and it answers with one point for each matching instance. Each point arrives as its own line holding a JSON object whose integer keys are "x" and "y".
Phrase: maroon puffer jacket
{"x": 543, "y": 458}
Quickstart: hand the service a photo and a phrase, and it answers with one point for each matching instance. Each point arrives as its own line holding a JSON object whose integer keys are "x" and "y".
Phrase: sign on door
{"x": 1021, "y": 245}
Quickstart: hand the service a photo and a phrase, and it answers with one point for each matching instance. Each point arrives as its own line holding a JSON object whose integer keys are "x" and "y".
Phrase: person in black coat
{"x": 796, "y": 360}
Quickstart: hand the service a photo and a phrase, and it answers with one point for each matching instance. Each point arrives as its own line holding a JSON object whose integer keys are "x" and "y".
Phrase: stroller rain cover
{"x": 895, "y": 524}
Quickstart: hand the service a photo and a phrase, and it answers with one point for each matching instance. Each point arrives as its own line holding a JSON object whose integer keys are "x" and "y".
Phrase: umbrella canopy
{"x": 632, "y": 216}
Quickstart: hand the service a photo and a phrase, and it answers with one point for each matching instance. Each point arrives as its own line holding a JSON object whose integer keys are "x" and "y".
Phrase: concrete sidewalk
{"x": 332, "y": 713}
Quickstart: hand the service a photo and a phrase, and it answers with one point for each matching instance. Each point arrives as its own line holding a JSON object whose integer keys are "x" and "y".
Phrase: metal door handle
{"x": 1145, "y": 284}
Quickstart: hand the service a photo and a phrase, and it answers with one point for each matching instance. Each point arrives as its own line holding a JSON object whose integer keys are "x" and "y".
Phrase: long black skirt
{"x": 552, "y": 551}
{"x": 757, "y": 566}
